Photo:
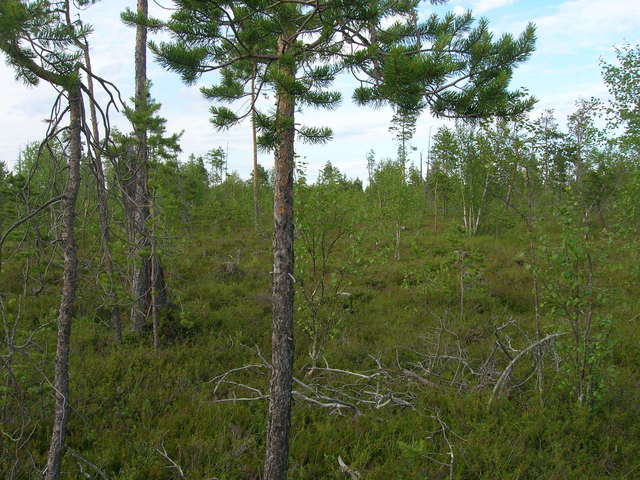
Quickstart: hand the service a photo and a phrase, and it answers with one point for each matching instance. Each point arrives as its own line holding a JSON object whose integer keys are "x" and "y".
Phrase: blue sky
{"x": 572, "y": 36}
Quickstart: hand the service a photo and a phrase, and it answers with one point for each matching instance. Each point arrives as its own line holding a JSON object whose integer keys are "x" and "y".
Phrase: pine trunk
{"x": 279, "y": 417}
{"x": 256, "y": 205}
{"x": 141, "y": 284}
{"x": 61, "y": 378}
{"x": 144, "y": 276}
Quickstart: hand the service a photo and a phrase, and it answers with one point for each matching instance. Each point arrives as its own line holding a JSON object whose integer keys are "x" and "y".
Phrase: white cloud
{"x": 556, "y": 74}
{"x": 572, "y": 36}
{"x": 563, "y": 103}
{"x": 481, "y": 6}
{"x": 459, "y": 10}
{"x": 585, "y": 24}
{"x": 592, "y": 16}
{"x": 23, "y": 110}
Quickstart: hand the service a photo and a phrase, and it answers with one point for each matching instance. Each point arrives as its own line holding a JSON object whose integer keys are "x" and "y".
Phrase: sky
{"x": 573, "y": 36}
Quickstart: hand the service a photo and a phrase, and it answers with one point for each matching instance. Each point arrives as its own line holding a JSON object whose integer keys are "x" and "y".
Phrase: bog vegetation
{"x": 470, "y": 315}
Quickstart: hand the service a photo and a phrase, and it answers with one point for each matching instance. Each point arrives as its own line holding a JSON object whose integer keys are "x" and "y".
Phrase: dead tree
{"x": 103, "y": 201}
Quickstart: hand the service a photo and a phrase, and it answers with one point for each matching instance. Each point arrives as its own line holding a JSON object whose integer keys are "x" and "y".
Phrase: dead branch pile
{"x": 443, "y": 362}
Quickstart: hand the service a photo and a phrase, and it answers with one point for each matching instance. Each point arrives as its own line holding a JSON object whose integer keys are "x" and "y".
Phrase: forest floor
{"x": 402, "y": 386}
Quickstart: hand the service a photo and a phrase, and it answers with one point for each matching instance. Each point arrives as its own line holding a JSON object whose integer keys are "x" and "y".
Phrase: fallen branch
{"x": 443, "y": 429}
{"x": 373, "y": 389}
{"x": 420, "y": 378}
{"x": 507, "y": 371}
{"x": 347, "y": 471}
{"x": 172, "y": 464}
{"x": 94, "y": 467}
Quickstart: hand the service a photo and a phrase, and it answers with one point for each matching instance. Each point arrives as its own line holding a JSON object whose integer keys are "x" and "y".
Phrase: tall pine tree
{"x": 300, "y": 46}
{"x": 40, "y": 41}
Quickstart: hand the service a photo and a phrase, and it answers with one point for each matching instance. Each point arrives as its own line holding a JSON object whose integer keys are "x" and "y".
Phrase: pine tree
{"x": 300, "y": 47}
{"x": 40, "y": 42}
{"x": 143, "y": 283}
{"x": 403, "y": 126}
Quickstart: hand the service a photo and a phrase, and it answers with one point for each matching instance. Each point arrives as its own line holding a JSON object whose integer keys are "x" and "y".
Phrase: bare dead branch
{"x": 507, "y": 371}
{"x": 172, "y": 464}
{"x": 354, "y": 475}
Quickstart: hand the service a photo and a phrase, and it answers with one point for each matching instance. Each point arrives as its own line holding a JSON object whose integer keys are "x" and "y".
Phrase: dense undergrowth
{"x": 134, "y": 410}
{"x": 475, "y": 321}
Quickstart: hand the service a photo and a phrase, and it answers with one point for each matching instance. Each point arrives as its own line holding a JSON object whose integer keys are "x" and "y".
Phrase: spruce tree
{"x": 299, "y": 47}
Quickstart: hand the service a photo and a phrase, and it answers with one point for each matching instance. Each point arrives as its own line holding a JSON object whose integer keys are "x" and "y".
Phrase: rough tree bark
{"x": 256, "y": 206}
{"x": 154, "y": 293}
{"x": 144, "y": 276}
{"x": 279, "y": 416}
{"x": 142, "y": 266}
{"x": 61, "y": 379}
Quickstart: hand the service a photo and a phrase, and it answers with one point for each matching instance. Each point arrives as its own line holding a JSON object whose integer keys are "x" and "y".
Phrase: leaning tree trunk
{"x": 103, "y": 205}
{"x": 279, "y": 416}
{"x": 61, "y": 379}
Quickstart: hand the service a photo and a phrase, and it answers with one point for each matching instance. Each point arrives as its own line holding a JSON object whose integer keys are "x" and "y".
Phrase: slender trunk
{"x": 141, "y": 72}
{"x": 141, "y": 285}
{"x": 462, "y": 256}
{"x": 256, "y": 206}
{"x": 145, "y": 278}
{"x": 154, "y": 274}
{"x": 536, "y": 286}
{"x": 476, "y": 225}
{"x": 536, "y": 304}
{"x": 126, "y": 179}
{"x": 61, "y": 378}
{"x": 435, "y": 207}
{"x": 585, "y": 347}
{"x": 465, "y": 212}
{"x": 125, "y": 171}
{"x": 103, "y": 205}
{"x": 279, "y": 416}
{"x": 142, "y": 282}
{"x": 512, "y": 183}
